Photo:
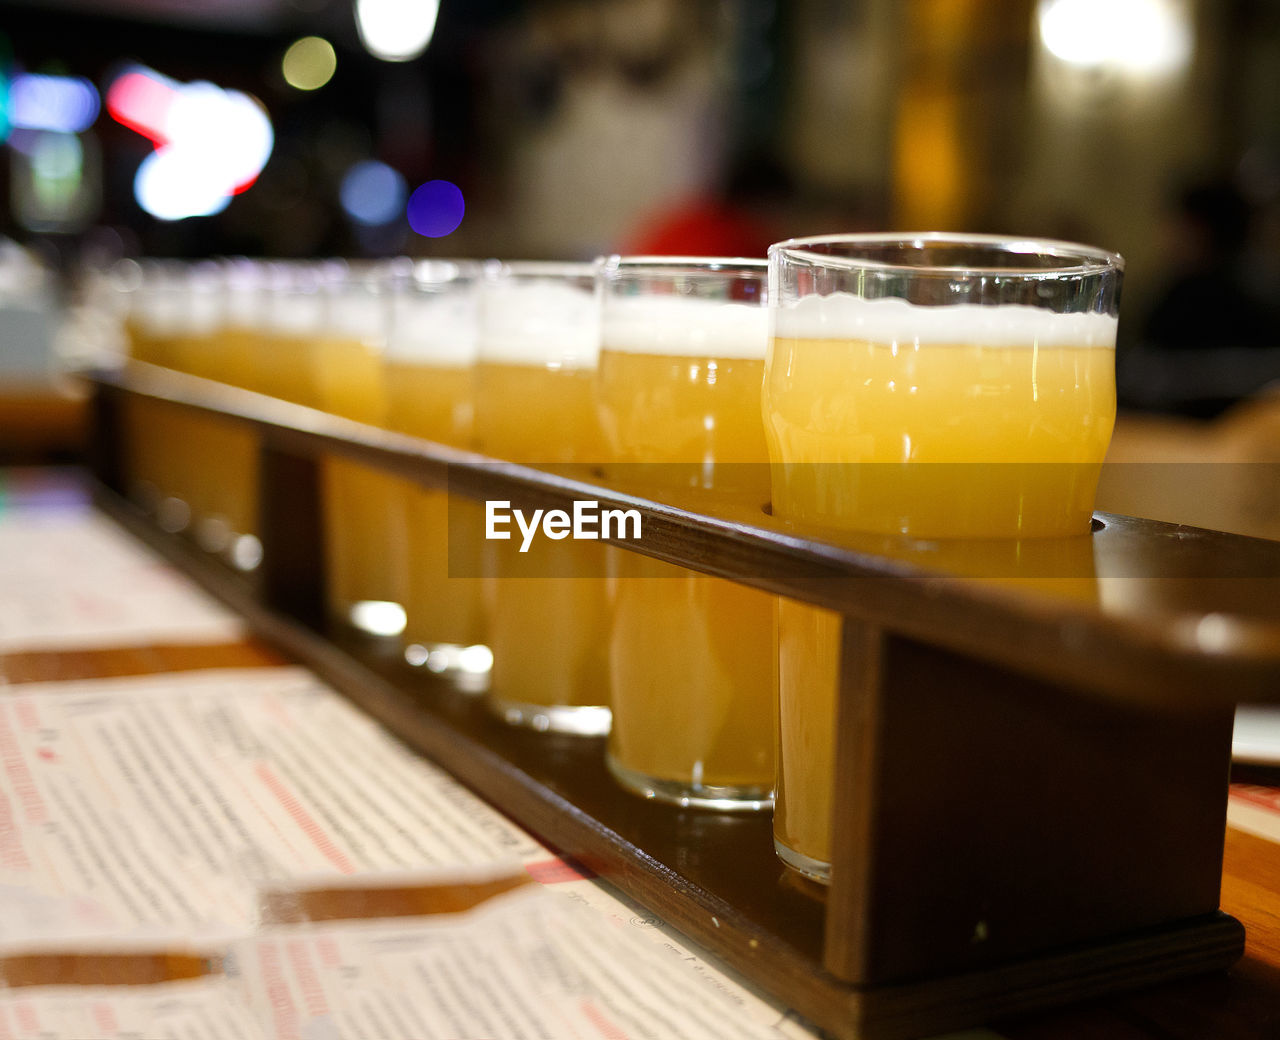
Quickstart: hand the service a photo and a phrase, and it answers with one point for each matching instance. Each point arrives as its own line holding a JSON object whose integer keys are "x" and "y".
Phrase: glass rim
{"x": 1079, "y": 259}
{"x": 703, "y": 264}
{"x": 494, "y": 269}
{"x": 433, "y": 272}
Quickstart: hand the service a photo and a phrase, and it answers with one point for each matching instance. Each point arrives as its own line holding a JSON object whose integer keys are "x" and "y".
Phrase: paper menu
{"x": 169, "y": 811}
{"x": 1255, "y": 810}
{"x": 171, "y": 801}
{"x": 525, "y": 966}
{"x": 210, "y": 1008}
{"x": 70, "y": 578}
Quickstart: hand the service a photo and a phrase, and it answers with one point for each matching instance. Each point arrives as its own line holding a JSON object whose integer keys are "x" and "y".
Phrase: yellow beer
{"x": 294, "y": 320}
{"x": 961, "y": 421}
{"x": 691, "y": 656}
{"x": 430, "y": 376}
{"x": 364, "y": 526}
{"x": 158, "y": 435}
{"x": 808, "y": 676}
{"x": 219, "y": 458}
{"x": 244, "y": 322}
{"x": 939, "y": 440}
{"x": 535, "y": 404}
{"x": 234, "y": 531}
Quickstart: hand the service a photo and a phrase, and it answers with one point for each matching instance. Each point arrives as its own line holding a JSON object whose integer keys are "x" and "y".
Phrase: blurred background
{"x": 569, "y": 128}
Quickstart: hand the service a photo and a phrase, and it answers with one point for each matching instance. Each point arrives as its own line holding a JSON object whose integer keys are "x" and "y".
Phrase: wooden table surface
{"x": 1243, "y": 1003}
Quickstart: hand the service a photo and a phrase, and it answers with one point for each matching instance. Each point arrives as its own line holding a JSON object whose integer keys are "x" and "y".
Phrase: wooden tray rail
{"x": 1031, "y": 786}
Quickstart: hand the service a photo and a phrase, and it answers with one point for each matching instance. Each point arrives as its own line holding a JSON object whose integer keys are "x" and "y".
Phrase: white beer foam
{"x": 245, "y": 306}
{"x": 434, "y": 329}
{"x": 159, "y": 311}
{"x": 203, "y": 312}
{"x": 246, "y": 293}
{"x": 845, "y": 316}
{"x": 295, "y": 315}
{"x": 685, "y": 327}
{"x": 539, "y": 323}
{"x": 360, "y": 315}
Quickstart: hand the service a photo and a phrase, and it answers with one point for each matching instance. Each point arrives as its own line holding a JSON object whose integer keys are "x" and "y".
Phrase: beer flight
{"x": 919, "y": 387}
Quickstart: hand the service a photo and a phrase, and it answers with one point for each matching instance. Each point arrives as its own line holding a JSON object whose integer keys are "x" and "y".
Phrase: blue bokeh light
{"x": 372, "y": 193}
{"x": 436, "y": 209}
{"x": 62, "y": 103}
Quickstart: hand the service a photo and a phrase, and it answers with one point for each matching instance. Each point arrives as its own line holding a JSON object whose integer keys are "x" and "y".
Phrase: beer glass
{"x": 196, "y": 346}
{"x": 294, "y": 312}
{"x": 430, "y": 375}
{"x": 192, "y": 349}
{"x": 156, "y": 432}
{"x": 364, "y": 535}
{"x": 243, "y": 320}
{"x": 535, "y": 404}
{"x": 222, "y": 466}
{"x": 691, "y": 656}
{"x": 925, "y": 386}
{"x": 155, "y": 312}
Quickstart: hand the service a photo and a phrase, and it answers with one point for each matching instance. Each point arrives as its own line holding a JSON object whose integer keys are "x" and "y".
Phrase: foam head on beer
{"x": 358, "y": 306}
{"x": 533, "y": 313}
{"x": 434, "y": 315}
{"x": 897, "y": 322}
{"x": 685, "y": 327}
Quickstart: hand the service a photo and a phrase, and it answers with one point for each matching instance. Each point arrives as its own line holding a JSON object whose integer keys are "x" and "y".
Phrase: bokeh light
{"x": 57, "y": 158}
{"x": 210, "y": 143}
{"x": 1140, "y": 36}
{"x": 140, "y": 100}
{"x": 66, "y": 104}
{"x": 229, "y": 130}
{"x": 372, "y": 193}
{"x": 309, "y": 63}
{"x": 396, "y": 30}
{"x": 173, "y": 184}
{"x": 436, "y": 209}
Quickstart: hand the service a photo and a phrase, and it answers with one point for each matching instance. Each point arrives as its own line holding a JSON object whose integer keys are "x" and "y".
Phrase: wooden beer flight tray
{"x": 1031, "y": 792}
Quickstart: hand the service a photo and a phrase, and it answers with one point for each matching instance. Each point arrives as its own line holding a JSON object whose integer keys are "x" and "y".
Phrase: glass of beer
{"x": 193, "y": 350}
{"x": 430, "y": 376}
{"x": 242, "y": 327}
{"x": 691, "y": 656}
{"x": 363, "y": 530}
{"x": 535, "y": 405}
{"x": 156, "y": 432}
{"x": 922, "y": 386}
{"x": 294, "y": 313}
{"x": 222, "y": 470}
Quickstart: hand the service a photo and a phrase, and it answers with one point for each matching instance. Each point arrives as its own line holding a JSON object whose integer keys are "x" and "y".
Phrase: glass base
{"x": 245, "y": 552}
{"x": 468, "y": 667}
{"x": 577, "y": 720}
{"x": 382, "y": 618}
{"x": 213, "y": 534}
{"x": 727, "y": 798}
{"x": 814, "y": 869}
{"x": 173, "y": 514}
